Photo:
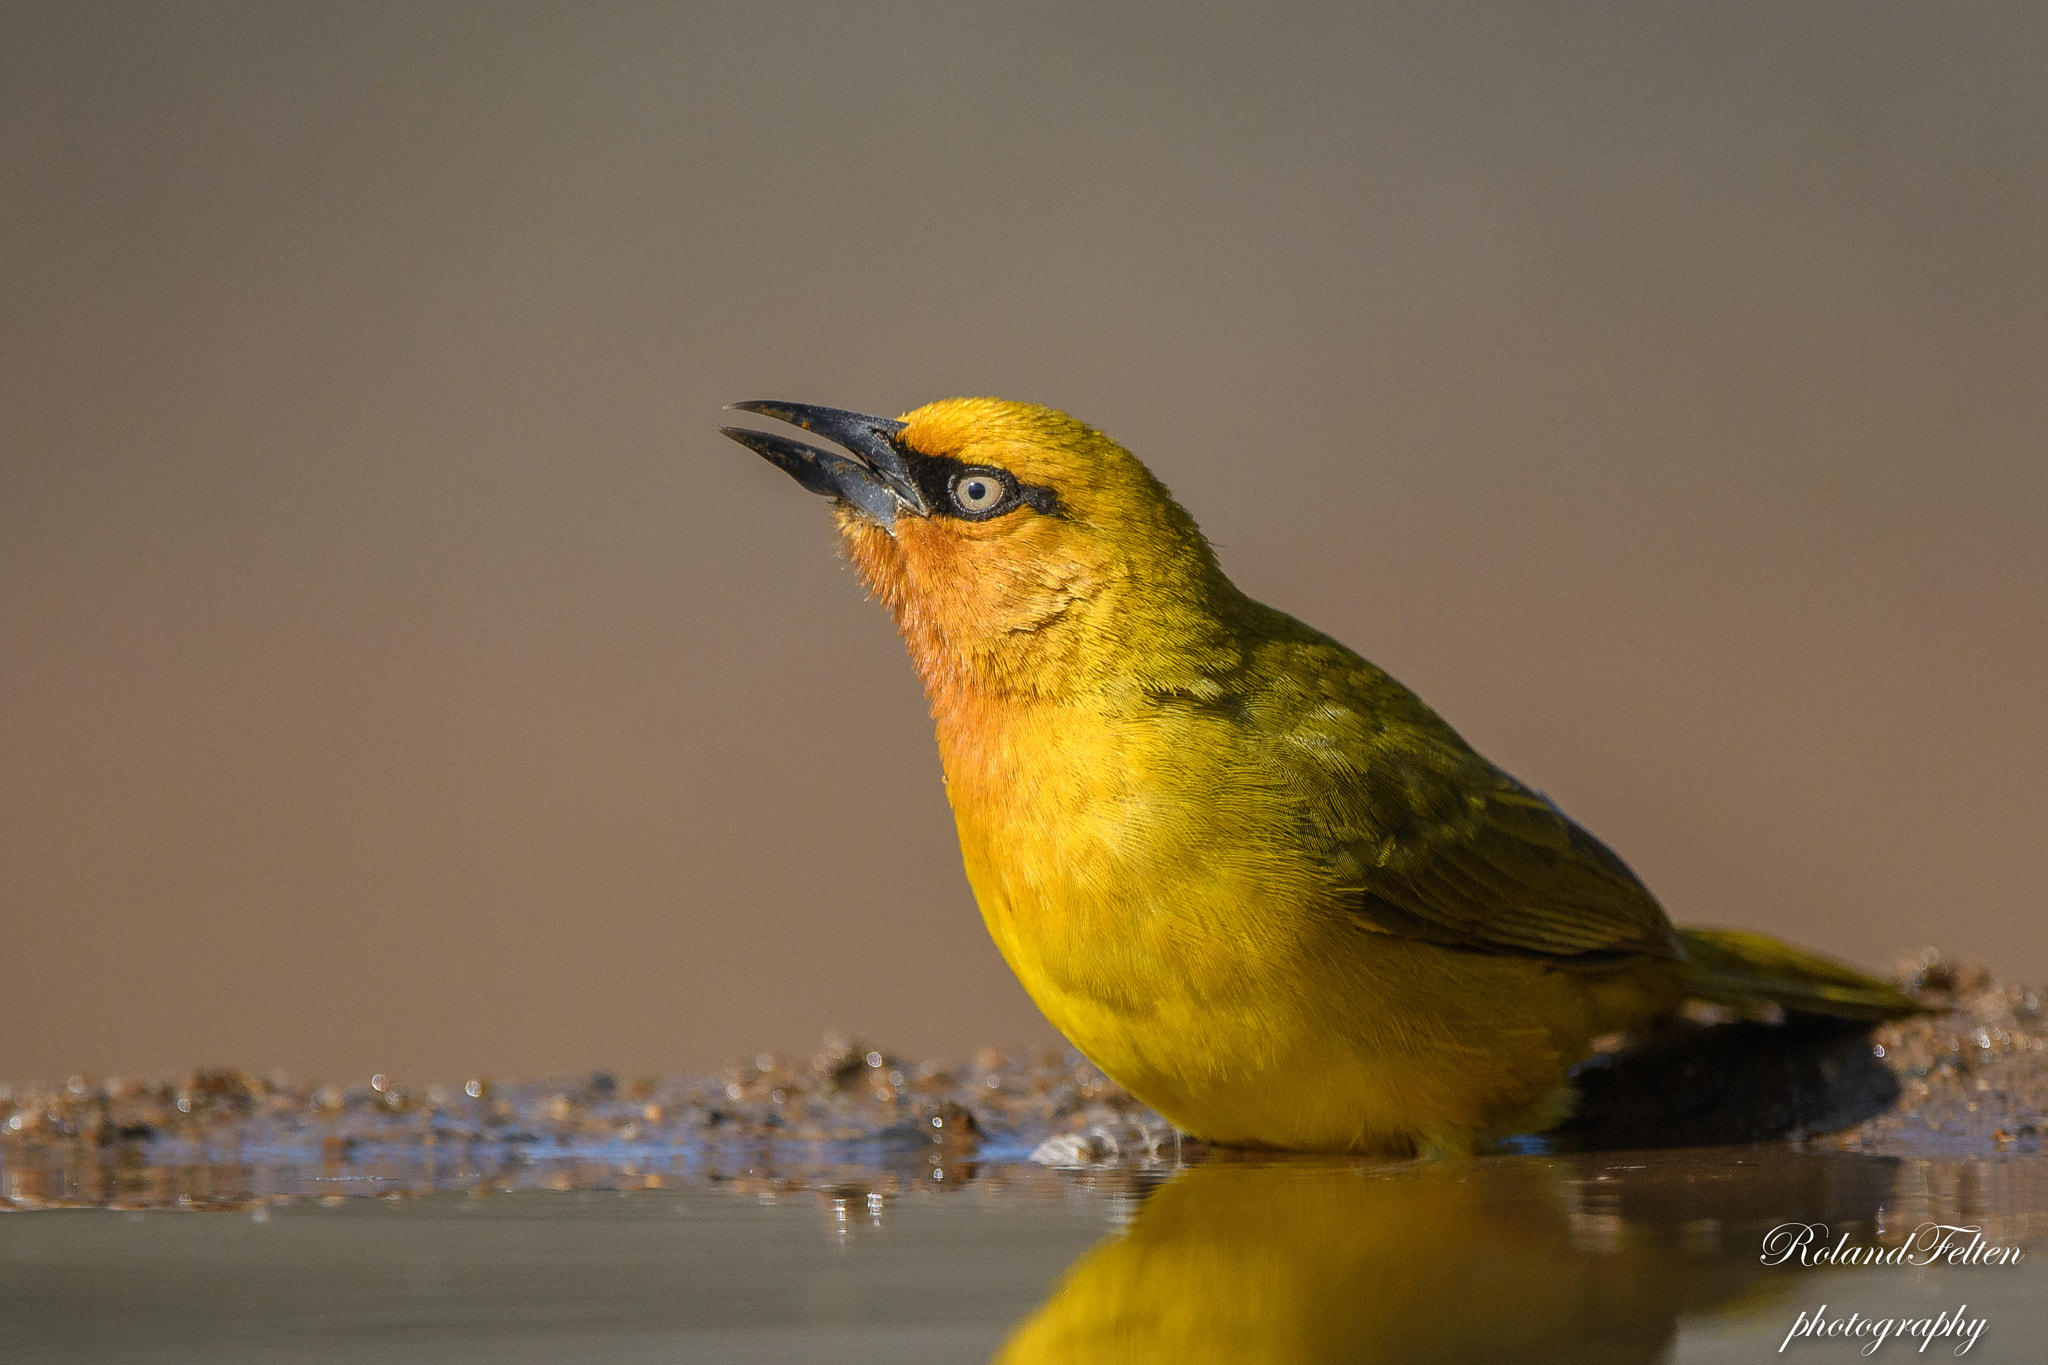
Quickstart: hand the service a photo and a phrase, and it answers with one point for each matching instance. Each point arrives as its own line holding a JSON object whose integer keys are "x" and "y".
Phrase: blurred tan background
{"x": 398, "y": 672}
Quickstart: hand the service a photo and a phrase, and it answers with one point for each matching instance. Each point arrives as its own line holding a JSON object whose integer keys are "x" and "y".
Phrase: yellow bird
{"x": 1252, "y": 877}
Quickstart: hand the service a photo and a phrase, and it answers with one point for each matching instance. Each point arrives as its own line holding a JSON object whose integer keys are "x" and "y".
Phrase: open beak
{"x": 877, "y": 483}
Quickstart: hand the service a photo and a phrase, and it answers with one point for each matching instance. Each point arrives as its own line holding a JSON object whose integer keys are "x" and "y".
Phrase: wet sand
{"x": 1969, "y": 1080}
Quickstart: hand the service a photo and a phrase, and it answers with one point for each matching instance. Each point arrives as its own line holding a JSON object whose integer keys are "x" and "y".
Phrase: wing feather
{"x": 1427, "y": 839}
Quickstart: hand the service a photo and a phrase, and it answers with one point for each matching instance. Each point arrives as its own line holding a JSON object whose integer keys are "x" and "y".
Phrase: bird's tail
{"x": 1733, "y": 967}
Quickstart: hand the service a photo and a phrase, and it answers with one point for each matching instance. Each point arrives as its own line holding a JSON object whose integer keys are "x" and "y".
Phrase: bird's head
{"x": 1020, "y": 551}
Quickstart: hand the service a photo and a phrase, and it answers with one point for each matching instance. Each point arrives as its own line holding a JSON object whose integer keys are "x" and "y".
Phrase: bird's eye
{"x": 978, "y": 492}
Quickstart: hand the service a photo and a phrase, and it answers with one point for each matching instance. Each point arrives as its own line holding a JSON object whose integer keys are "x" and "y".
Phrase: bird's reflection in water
{"x": 1590, "y": 1260}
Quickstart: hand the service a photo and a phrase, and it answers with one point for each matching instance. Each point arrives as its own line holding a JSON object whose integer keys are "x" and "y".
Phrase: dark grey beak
{"x": 878, "y": 483}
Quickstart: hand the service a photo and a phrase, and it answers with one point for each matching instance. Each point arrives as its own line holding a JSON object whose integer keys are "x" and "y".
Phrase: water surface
{"x": 1609, "y": 1257}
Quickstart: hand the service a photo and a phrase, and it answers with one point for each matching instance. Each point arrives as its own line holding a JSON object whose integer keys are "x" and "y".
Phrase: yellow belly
{"x": 1207, "y": 974}
{"x": 1370, "y": 1044}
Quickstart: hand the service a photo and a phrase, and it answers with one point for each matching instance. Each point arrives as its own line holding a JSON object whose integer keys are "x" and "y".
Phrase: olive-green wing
{"x": 1426, "y": 839}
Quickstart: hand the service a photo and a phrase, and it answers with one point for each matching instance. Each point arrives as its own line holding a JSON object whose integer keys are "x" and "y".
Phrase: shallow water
{"x": 1609, "y": 1257}
{"x": 862, "y": 1207}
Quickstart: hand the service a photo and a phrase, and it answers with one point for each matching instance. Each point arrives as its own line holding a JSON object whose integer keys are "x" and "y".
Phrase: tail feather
{"x": 1734, "y": 967}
